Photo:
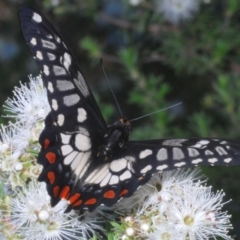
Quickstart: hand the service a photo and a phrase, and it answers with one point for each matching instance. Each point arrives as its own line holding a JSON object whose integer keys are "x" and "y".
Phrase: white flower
{"x": 6, "y": 136}
{"x": 135, "y": 2}
{"x": 29, "y": 103}
{"x": 33, "y": 218}
{"x": 196, "y": 214}
{"x": 14, "y": 138}
{"x": 177, "y": 10}
{"x": 175, "y": 205}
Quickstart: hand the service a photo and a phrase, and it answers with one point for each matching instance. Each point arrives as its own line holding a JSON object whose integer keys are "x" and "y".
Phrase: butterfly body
{"x": 114, "y": 139}
{"x": 85, "y": 161}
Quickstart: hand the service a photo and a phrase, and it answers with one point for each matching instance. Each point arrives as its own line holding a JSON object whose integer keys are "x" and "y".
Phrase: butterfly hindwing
{"x": 169, "y": 154}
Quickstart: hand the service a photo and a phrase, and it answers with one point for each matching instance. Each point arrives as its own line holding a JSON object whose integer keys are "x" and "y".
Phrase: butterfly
{"x": 84, "y": 160}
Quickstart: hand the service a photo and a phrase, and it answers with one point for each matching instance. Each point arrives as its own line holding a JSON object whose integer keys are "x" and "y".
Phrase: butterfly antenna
{"x": 119, "y": 109}
{"x": 156, "y": 112}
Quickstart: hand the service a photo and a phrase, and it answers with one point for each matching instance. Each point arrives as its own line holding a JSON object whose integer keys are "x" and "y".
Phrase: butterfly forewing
{"x": 84, "y": 161}
{"x": 69, "y": 95}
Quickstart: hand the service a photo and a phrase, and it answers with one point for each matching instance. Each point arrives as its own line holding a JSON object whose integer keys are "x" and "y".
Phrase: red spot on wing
{"x": 123, "y": 192}
{"x": 91, "y": 201}
{"x": 74, "y": 198}
{"x": 65, "y": 192}
{"x": 109, "y": 194}
{"x": 77, "y": 203}
{"x": 51, "y": 177}
{"x": 51, "y": 157}
{"x": 55, "y": 191}
{"x": 46, "y": 143}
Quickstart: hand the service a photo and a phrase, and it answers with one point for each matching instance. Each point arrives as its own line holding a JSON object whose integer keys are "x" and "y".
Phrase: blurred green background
{"x": 153, "y": 58}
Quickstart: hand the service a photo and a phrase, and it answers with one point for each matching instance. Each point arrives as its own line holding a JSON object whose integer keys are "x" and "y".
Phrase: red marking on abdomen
{"x": 51, "y": 177}
{"x": 65, "y": 192}
{"x": 46, "y": 143}
{"x": 109, "y": 194}
{"x": 123, "y": 192}
{"x": 91, "y": 201}
{"x": 51, "y": 157}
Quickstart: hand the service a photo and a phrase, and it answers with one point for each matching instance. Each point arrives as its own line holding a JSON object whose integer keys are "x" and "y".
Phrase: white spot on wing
{"x": 82, "y": 115}
{"x": 49, "y": 36}
{"x": 83, "y": 131}
{"x": 33, "y": 41}
{"x": 145, "y": 153}
{"x": 54, "y": 104}
{"x": 60, "y": 119}
{"x": 212, "y": 160}
{"x": 70, "y": 157}
{"x": 71, "y": 100}
{"x": 173, "y": 142}
{"x": 97, "y": 173}
{"x": 58, "y": 39}
{"x": 227, "y": 160}
{"x": 178, "y": 153}
{"x": 51, "y": 56}
{"x": 125, "y": 175}
{"x": 36, "y": 17}
{"x": 130, "y": 158}
{"x": 82, "y": 142}
{"x": 201, "y": 144}
{"x": 66, "y": 149}
{"x": 77, "y": 161}
{"x": 50, "y": 87}
{"x": 208, "y": 152}
{"x": 65, "y": 138}
{"x": 162, "y": 154}
{"x": 221, "y": 151}
{"x": 162, "y": 167}
{"x": 196, "y": 161}
{"x": 146, "y": 169}
{"x": 39, "y": 55}
{"x": 59, "y": 70}
{"x": 82, "y": 85}
{"x": 67, "y": 60}
{"x": 179, "y": 164}
{"x": 48, "y": 44}
{"x": 46, "y": 70}
{"x": 105, "y": 180}
{"x": 80, "y": 164}
{"x": 64, "y": 85}
{"x": 114, "y": 180}
{"x": 193, "y": 152}
{"x": 118, "y": 165}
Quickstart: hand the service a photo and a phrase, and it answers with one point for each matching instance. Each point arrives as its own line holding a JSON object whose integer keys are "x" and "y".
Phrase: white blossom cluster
{"x": 174, "y": 205}
{"x": 174, "y": 11}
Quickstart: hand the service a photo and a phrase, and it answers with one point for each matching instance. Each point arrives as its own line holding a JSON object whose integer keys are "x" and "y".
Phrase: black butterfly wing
{"x": 70, "y": 98}
{"x": 74, "y": 128}
{"x": 167, "y": 154}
